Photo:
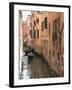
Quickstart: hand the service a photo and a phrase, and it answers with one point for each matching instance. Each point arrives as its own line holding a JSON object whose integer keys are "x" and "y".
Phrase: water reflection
{"x": 35, "y": 68}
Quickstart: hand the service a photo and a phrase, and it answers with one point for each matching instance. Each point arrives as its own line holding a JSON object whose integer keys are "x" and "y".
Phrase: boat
{"x": 30, "y": 55}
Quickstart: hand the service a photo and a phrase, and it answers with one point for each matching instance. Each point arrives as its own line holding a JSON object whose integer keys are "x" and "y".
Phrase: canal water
{"x": 35, "y": 68}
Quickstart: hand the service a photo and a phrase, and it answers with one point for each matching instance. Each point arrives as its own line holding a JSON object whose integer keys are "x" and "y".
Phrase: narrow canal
{"x": 35, "y": 68}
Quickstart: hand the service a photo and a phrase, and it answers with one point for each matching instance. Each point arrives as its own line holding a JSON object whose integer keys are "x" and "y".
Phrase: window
{"x": 54, "y": 36}
{"x": 49, "y": 28}
{"x": 31, "y": 33}
{"x": 34, "y": 23}
{"x": 45, "y": 22}
{"x": 58, "y": 23}
{"x": 49, "y": 54}
{"x": 42, "y": 27}
{"x": 37, "y": 20}
{"x": 53, "y": 31}
{"x": 37, "y": 33}
{"x": 55, "y": 25}
{"x": 46, "y": 46}
{"x": 34, "y": 34}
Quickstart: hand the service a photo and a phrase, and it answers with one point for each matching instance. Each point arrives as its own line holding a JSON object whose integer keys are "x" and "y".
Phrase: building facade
{"x": 26, "y": 32}
{"x": 47, "y": 38}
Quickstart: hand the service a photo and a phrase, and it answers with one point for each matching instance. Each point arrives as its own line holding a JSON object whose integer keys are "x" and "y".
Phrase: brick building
{"x": 47, "y": 37}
